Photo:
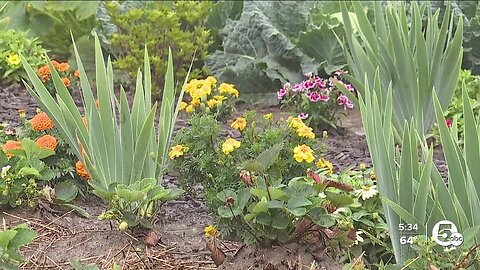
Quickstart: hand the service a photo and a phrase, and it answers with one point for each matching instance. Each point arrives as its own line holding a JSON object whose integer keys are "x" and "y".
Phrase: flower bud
{"x": 375, "y": 215}
{"x": 363, "y": 167}
{"x": 202, "y": 106}
{"x": 207, "y": 110}
{"x": 325, "y": 135}
{"x": 123, "y": 226}
{"x": 21, "y": 114}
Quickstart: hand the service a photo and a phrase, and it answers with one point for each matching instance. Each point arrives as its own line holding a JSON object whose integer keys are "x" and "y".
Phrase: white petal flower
{"x": 359, "y": 238}
{"x": 367, "y": 192}
{"x": 322, "y": 195}
{"x": 5, "y": 170}
{"x": 340, "y": 210}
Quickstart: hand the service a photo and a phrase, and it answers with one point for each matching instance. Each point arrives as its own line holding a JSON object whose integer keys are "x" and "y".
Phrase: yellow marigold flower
{"x": 322, "y": 163}
{"x": 211, "y": 231}
{"x": 211, "y": 80}
{"x": 220, "y": 98}
{"x": 11, "y": 145}
{"x": 240, "y": 123}
{"x": 195, "y": 102}
{"x": 212, "y": 103}
{"x": 303, "y": 152}
{"x": 66, "y": 82}
{"x": 190, "y": 109}
{"x": 306, "y": 132}
{"x": 183, "y": 105}
{"x": 206, "y": 89}
{"x": 229, "y": 145}
{"x": 81, "y": 171}
{"x": 268, "y": 116}
{"x": 295, "y": 122}
{"x": 13, "y": 60}
{"x": 228, "y": 88}
{"x": 177, "y": 151}
{"x": 47, "y": 141}
{"x": 41, "y": 122}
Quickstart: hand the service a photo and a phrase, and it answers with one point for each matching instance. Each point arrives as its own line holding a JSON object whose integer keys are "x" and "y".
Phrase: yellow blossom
{"x": 295, "y": 122}
{"x": 240, "y": 123}
{"x": 268, "y": 116}
{"x": 306, "y": 132}
{"x": 303, "y": 152}
{"x": 190, "y": 109}
{"x": 229, "y": 145}
{"x": 322, "y": 163}
{"x": 228, "y": 88}
{"x": 13, "y": 60}
{"x": 177, "y": 151}
{"x": 183, "y": 105}
{"x": 211, "y": 80}
{"x": 211, "y": 231}
{"x": 195, "y": 102}
{"x": 220, "y": 98}
{"x": 212, "y": 103}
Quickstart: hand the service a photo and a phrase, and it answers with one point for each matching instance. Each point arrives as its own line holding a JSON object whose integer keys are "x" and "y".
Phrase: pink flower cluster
{"x": 317, "y": 89}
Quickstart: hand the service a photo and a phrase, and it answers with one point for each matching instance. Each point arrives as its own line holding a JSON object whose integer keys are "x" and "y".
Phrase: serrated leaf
{"x": 66, "y": 191}
{"x": 298, "y": 202}
{"x": 339, "y": 200}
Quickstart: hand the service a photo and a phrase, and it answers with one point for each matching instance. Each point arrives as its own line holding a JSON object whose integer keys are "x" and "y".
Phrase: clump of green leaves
{"x": 122, "y": 151}
{"x": 432, "y": 256}
{"x": 454, "y": 112}
{"x": 178, "y": 26}
{"x": 10, "y": 241}
{"x": 268, "y": 211}
{"x": 208, "y": 160}
{"x": 13, "y": 42}
{"x": 52, "y": 23}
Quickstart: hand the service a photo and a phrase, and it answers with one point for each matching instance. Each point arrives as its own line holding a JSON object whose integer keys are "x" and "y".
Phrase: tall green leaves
{"x": 412, "y": 188}
{"x": 120, "y": 145}
{"x": 415, "y": 61}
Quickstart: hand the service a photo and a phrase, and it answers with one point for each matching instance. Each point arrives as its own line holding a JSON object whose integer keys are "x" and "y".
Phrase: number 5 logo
{"x": 441, "y": 236}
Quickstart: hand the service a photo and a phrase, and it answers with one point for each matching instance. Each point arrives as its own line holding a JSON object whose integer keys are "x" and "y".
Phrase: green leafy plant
{"x": 262, "y": 46}
{"x": 161, "y": 26}
{"x": 429, "y": 256}
{"x": 12, "y": 43}
{"x": 200, "y": 151}
{"x": 271, "y": 212}
{"x": 367, "y": 216}
{"x": 22, "y": 170}
{"x": 316, "y": 100}
{"x": 415, "y": 62}
{"x": 120, "y": 148}
{"x": 10, "y": 241}
{"x": 53, "y": 22}
{"x": 412, "y": 188}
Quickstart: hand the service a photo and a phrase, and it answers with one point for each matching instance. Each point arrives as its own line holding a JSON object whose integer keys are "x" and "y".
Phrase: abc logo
{"x": 446, "y": 234}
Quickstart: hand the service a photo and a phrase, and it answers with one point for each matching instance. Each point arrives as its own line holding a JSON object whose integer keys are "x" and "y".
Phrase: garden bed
{"x": 63, "y": 236}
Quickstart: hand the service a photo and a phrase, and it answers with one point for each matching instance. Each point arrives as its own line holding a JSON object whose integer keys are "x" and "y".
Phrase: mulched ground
{"x": 180, "y": 225}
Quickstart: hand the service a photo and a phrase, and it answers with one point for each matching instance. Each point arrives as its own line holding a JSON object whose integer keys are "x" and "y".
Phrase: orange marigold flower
{"x": 41, "y": 122}
{"x": 81, "y": 171}
{"x": 47, "y": 141}
{"x": 76, "y": 73}
{"x": 11, "y": 145}
{"x": 66, "y": 82}
{"x": 63, "y": 67}
{"x": 55, "y": 64}
{"x": 96, "y": 103}
{"x": 44, "y": 73}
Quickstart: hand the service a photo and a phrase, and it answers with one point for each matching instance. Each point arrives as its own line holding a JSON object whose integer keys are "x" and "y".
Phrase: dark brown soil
{"x": 181, "y": 223}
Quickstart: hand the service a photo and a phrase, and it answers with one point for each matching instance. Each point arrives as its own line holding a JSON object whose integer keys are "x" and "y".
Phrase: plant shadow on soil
{"x": 61, "y": 237}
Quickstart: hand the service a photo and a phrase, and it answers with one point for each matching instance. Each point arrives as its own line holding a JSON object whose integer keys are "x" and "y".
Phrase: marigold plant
{"x": 204, "y": 96}
{"x": 67, "y": 75}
